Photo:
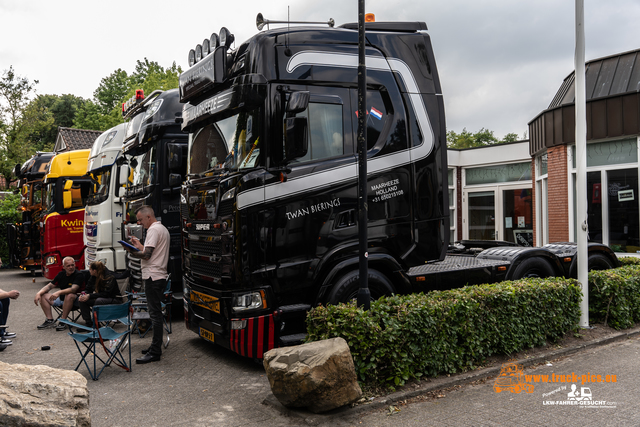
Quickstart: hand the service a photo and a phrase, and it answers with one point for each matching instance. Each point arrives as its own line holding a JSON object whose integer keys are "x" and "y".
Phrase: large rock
{"x": 319, "y": 375}
{"x": 42, "y": 396}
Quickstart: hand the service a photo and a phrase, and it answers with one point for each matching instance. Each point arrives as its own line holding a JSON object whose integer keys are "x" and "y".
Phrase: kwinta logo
{"x": 512, "y": 378}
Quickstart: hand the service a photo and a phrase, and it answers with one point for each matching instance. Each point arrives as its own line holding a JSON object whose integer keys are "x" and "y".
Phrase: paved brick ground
{"x": 200, "y": 384}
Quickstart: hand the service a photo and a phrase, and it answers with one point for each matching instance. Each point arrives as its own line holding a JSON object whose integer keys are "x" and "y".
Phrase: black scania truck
{"x": 269, "y": 206}
{"x": 155, "y": 148}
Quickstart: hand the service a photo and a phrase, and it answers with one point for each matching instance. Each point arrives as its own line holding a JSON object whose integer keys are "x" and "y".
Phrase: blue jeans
{"x": 4, "y": 314}
{"x": 154, "y": 289}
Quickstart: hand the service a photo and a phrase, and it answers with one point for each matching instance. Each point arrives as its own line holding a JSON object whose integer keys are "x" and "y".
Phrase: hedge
{"x": 614, "y": 295}
{"x": 442, "y": 332}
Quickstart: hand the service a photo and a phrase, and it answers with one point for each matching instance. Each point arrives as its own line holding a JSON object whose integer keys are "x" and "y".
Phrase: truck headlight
{"x": 51, "y": 259}
{"x": 249, "y": 301}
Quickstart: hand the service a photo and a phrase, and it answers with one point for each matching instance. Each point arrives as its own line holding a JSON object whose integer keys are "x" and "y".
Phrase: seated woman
{"x": 102, "y": 288}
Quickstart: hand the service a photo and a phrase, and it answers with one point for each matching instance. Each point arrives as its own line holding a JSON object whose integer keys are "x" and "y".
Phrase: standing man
{"x": 154, "y": 256}
{"x": 69, "y": 282}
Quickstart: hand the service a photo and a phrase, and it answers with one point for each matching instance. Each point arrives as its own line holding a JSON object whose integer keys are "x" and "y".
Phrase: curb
{"x": 438, "y": 383}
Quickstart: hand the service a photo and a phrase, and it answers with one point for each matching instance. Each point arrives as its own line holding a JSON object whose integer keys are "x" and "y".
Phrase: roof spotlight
{"x": 214, "y": 42}
{"x": 198, "y": 53}
{"x": 205, "y": 47}
{"x": 226, "y": 38}
{"x": 192, "y": 58}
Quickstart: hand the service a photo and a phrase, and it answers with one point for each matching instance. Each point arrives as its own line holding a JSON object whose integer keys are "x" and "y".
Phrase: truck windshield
{"x": 144, "y": 168}
{"x": 100, "y": 186}
{"x": 232, "y": 143}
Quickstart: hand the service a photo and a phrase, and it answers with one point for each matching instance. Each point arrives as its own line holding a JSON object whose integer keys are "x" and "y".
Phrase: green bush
{"x": 614, "y": 296}
{"x": 8, "y": 214}
{"x": 410, "y": 336}
{"x": 629, "y": 260}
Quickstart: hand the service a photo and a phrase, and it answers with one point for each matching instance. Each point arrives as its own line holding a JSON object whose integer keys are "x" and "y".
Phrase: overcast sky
{"x": 500, "y": 61}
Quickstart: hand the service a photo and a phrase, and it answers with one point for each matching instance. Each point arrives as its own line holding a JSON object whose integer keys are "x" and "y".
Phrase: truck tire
{"x": 533, "y": 267}
{"x": 346, "y": 288}
{"x": 599, "y": 262}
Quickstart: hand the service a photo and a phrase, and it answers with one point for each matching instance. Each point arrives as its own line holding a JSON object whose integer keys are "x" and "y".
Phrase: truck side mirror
{"x": 67, "y": 200}
{"x": 174, "y": 156}
{"x": 298, "y": 102}
{"x": 296, "y": 142}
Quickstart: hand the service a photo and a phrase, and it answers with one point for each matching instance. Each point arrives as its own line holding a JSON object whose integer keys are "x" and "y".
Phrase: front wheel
{"x": 346, "y": 288}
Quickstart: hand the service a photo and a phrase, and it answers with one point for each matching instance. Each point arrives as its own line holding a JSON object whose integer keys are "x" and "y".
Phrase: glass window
{"x": 376, "y": 117}
{"x": 518, "y": 216}
{"x": 232, "y": 143}
{"x": 452, "y": 205}
{"x": 498, "y": 173}
{"x": 100, "y": 188}
{"x": 543, "y": 164}
{"x": 144, "y": 166}
{"x": 326, "y": 136}
{"x": 482, "y": 220}
{"x": 622, "y": 195}
{"x": 610, "y": 153}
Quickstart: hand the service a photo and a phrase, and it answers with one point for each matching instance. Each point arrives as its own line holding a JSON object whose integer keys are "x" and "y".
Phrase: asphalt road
{"x": 199, "y": 384}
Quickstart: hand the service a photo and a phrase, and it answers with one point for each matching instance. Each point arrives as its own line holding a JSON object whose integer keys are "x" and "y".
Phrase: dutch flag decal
{"x": 375, "y": 113}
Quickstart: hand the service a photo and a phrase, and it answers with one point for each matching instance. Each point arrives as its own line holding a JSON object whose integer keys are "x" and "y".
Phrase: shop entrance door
{"x": 502, "y": 212}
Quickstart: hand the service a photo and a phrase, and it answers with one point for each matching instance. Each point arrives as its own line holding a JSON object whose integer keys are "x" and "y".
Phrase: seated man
{"x": 5, "y": 299}
{"x": 102, "y": 288}
{"x": 69, "y": 282}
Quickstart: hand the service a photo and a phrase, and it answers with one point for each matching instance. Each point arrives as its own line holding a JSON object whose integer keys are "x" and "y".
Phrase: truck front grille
{"x": 205, "y": 248}
{"x": 206, "y": 268}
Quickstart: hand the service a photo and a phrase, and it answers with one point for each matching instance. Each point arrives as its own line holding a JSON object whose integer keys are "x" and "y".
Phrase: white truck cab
{"x": 103, "y": 212}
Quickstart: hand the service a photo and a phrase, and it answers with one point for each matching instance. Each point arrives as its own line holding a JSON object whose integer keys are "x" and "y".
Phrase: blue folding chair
{"x": 111, "y": 341}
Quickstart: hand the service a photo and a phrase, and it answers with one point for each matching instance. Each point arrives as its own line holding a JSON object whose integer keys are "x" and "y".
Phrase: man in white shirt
{"x": 154, "y": 256}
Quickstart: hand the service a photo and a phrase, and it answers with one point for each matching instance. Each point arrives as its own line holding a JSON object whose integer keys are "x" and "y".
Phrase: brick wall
{"x": 558, "y": 194}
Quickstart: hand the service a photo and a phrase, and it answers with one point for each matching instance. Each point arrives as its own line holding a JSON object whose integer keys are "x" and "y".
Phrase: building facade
{"x": 613, "y": 131}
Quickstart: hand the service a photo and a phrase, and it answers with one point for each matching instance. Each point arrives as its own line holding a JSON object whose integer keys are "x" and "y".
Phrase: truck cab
{"x": 103, "y": 212}
{"x": 24, "y": 236}
{"x": 270, "y": 201}
{"x": 66, "y": 191}
{"x": 154, "y": 148}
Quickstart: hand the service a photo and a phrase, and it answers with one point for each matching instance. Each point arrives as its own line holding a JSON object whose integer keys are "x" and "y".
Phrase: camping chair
{"x": 74, "y": 314}
{"x": 111, "y": 341}
{"x": 141, "y": 312}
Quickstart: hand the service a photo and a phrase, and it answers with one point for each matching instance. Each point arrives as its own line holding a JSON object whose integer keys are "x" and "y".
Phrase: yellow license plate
{"x": 205, "y": 301}
{"x": 207, "y": 335}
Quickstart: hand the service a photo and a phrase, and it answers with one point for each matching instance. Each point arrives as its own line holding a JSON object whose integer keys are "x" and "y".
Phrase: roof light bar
{"x": 226, "y": 38}
{"x": 133, "y": 102}
{"x": 209, "y": 45}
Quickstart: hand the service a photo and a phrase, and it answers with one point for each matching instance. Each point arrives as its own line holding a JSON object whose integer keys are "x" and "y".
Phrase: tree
{"x": 482, "y": 138}
{"x": 15, "y": 92}
{"x": 466, "y": 139}
{"x": 45, "y": 114}
{"x": 105, "y": 111}
{"x": 511, "y": 137}
{"x": 112, "y": 91}
{"x": 90, "y": 116}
